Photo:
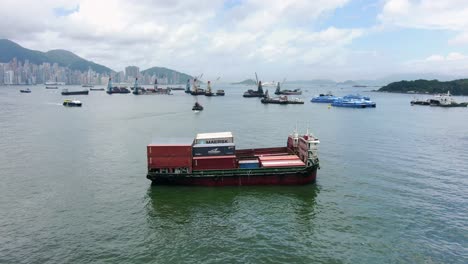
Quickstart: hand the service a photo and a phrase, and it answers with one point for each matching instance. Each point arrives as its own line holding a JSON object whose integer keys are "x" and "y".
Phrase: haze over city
{"x": 300, "y": 40}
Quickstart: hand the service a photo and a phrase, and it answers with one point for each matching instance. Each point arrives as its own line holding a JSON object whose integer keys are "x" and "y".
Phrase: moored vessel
{"x": 211, "y": 159}
{"x": 116, "y": 90}
{"x": 282, "y": 99}
{"x": 287, "y": 92}
{"x": 67, "y": 92}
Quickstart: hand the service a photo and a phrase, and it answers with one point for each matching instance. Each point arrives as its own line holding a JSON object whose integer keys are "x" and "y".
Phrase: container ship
{"x": 211, "y": 159}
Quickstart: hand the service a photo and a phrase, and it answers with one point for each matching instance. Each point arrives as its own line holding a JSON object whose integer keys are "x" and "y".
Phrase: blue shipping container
{"x": 224, "y": 149}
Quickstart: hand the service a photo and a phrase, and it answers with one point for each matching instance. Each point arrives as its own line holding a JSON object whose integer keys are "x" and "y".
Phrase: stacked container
{"x": 214, "y": 151}
{"x": 167, "y": 157}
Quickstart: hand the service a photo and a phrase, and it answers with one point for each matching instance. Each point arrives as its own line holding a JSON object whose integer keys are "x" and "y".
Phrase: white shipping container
{"x": 214, "y": 138}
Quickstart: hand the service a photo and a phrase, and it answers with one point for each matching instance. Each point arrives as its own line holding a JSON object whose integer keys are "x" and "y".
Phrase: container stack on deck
{"x": 170, "y": 158}
{"x": 217, "y": 151}
{"x": 214, "y": 151}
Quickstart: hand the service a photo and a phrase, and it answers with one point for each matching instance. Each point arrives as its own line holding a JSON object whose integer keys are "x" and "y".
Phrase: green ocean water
{"x": 392, "y": 187}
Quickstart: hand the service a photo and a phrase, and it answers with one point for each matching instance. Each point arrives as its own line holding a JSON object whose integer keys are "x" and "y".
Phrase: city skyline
{"x": 17, "y": 72}
{"x": 299, "y": 40}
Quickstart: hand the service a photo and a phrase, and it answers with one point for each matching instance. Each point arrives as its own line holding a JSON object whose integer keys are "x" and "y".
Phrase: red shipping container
{"x": 282, "y": 157}
{"x": 169, "y": 162}
{"x": 282, "y": 163}
{"x": 161, "y": 150}
{"x": 215, "y": 163}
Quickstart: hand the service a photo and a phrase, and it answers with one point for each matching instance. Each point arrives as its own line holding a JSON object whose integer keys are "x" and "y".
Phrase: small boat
{"x": 324, "y": 98}
{"x": 96, "y": 89}
{"x": 25, "y": 91}
{"x": 197, "y": 107}
{"x": 68, "y": 102}
{"x": 51, "y": 87}
{"x": 220, "y": 92}
{"x": 66, "y": 92}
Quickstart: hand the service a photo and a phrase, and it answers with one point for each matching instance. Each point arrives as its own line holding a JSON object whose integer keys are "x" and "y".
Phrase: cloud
{"x": 454, "y": 63}
{"x": 428, "y": 14}
{"x": 238, "y": 37}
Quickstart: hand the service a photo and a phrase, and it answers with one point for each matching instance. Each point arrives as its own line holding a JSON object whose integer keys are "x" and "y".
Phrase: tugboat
{"x": 68, "y": 102}
{"x": 211, "y": 159}
{"x": 197, "y": 107}
{"x": 25, "y": 91}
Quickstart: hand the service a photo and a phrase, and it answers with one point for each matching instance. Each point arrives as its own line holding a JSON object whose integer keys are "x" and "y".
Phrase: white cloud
{"x": 429, "y": 14}
{"x": 453, "y": 64}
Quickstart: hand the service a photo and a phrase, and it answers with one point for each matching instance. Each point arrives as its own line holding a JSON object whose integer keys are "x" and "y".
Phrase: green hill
{"x": 173, "y": 76}
{"x": 10, "y": 50}
{"x": 456, "y": 87}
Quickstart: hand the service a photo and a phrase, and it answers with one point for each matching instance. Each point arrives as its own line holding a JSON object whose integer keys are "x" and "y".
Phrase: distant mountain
{"x": 247, "y": 82}
{"x": 10, "y": 50}
{"x": 162, "y": 72}
{"x": 456, "y": 87}
{"x": 316, "y": 82}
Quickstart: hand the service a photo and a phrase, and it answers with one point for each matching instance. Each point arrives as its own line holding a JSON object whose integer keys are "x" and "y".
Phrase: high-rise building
{"x": 9, "y": 77}
{"x": 131, "y": 72}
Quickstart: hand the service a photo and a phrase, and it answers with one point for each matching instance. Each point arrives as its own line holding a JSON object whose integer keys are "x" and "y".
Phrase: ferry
{"x": 354, "y": 101}
{"x": 324, "y": 98}
{"x": 211, "y": 159}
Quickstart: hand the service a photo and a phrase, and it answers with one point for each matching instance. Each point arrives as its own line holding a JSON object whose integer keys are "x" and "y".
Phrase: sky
{"x": 233, "y": 39}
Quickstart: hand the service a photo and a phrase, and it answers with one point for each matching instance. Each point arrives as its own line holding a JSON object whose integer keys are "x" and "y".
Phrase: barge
{"x": 211, "y": 159}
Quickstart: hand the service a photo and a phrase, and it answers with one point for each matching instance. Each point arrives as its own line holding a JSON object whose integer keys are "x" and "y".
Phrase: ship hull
{"x": 240, "y": 177}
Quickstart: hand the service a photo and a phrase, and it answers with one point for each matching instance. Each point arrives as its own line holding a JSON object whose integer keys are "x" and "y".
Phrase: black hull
{"x": 238, "y": 177}
{"x": 76, "y": 93}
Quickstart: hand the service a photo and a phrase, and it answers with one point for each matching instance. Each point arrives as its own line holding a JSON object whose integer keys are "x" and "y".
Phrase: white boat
{"x": 68, "y": 102}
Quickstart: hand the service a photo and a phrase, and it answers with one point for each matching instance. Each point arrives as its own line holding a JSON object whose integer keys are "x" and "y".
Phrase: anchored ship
{"x": 211, "y": 159}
